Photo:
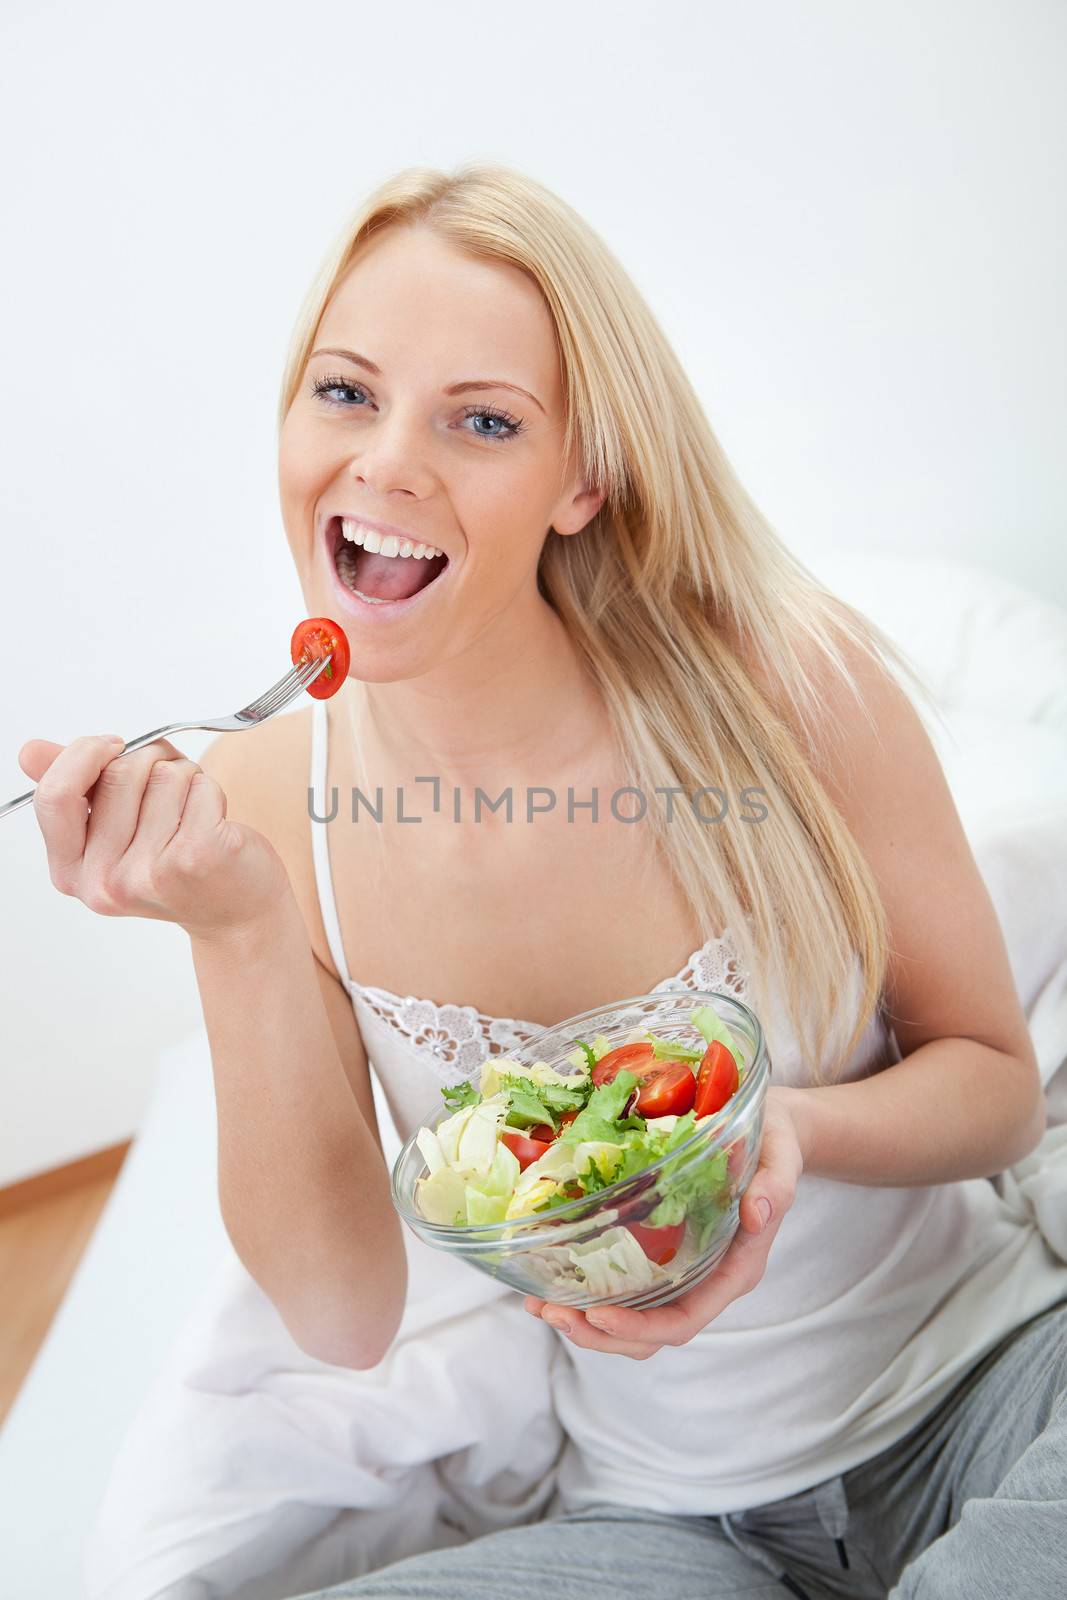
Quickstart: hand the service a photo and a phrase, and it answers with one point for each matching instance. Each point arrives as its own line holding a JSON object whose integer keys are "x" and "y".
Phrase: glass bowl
{"x": 542, "y": 1253}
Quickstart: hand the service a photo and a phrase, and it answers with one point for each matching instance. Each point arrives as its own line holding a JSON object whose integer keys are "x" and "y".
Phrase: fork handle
{"x": 134, "y": 744}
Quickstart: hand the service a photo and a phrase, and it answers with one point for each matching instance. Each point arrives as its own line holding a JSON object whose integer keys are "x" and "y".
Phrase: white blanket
{"x": 249, "y": 1453}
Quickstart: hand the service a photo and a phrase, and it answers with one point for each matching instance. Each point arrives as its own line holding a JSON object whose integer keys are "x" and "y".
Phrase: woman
{"x": 577, "y": 596}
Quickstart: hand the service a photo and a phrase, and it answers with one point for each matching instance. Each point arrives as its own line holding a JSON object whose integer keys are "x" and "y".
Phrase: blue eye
{"x": 508, "y": 426}
{"x": 325, "y": 386}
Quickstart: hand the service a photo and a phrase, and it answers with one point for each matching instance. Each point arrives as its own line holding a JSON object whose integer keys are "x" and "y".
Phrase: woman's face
{"x": 433, "y": 444}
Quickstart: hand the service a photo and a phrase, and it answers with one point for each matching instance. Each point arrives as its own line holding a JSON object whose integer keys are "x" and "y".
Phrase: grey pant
{"x": 971, "y": 1505}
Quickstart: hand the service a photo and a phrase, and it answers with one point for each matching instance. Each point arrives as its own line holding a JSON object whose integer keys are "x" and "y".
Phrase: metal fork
{"x": 286, "y": 689}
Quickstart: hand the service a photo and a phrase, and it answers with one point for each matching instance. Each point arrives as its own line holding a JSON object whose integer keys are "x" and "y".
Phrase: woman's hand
{"x": 639, "y": 1334}
{"x": 147, "y": 836}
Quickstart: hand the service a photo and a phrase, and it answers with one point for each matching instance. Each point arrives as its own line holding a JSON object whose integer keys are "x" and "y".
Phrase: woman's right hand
{"x": 148, "y": 836}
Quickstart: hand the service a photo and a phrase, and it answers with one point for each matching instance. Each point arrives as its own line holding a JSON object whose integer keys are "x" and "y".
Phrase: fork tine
{"x": 277, "y": 697}
{"x": 309, "y": 670}
{"x": 270, "y": 695}
{"x": 297, "y": 678}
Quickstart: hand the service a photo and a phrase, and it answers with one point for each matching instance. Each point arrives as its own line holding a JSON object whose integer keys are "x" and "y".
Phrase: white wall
{"x": 848, "y": 218}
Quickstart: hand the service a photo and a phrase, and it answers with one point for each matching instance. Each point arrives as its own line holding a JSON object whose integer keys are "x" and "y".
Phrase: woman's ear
{"x": 578, "y": 510}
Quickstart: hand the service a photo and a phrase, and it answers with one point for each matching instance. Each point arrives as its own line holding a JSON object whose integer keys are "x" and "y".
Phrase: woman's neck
{"x": 501, "y": 712}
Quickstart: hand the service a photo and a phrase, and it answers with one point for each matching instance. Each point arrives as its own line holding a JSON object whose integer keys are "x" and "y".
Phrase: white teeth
{"x": 389, "y": 544}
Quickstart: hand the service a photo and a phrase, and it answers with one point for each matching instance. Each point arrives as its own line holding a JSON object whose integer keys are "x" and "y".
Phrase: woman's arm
{"x": 966, "y": 1100}
{"x": 303, "y": 1186}
{"x": 954, "y": 1108}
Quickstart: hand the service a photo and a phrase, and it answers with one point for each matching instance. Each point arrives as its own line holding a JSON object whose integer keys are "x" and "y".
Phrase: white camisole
{"x": 874, "y": 1302}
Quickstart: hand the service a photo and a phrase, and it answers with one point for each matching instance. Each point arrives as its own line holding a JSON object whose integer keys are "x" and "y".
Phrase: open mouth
{"x": 375, "y": 575}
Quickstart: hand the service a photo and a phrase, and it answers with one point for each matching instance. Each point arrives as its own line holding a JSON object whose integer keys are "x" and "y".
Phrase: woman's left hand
{"x": 624, "y": 1331}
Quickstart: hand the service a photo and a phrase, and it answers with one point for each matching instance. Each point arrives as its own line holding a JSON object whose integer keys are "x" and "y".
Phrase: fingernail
{"x": 598, "y": 1322}
{"x": 557, "y": 1321}
{"x": 112, "y": 738}
{"x": 763, "y": 1206}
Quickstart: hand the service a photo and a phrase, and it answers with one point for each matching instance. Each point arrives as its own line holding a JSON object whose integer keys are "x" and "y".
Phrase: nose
{"x": 387, "y": 460}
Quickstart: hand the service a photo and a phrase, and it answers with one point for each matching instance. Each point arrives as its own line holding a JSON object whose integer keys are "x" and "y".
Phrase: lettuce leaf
{"x": 613, "y": 1263}
{"x": 530, "y": 1102}
{"x": 693, "y": 1188}
{"x": 458, "y": 1095}
{"x": 601, "y": 1117}
{"x": 440, "y": 1195}
{"x": 583, "y": 1051}
{"x": 487, "y": 1197}
{"x": 711, "y": 1025}
{"x": 671, "y": 1050}
{"x": 525, "y": 1107}
{"x": 468, "y": 1138}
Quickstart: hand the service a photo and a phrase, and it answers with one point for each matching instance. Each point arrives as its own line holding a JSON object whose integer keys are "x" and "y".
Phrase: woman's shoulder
{"x": 856, "y": 712}
{"x": 264, "y": 773}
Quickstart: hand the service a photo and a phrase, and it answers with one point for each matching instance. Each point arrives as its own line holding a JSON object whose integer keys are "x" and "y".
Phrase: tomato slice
{"x": 667, "y": 1088}
{"x": 542, "y": 1131}
{"x": 312, "y": 639}
{"x": 659, "y": 1244}
{"x": 717, "y": 1079}
{"x": 630, "y": 1056}
{"x": 526, "y": 1150}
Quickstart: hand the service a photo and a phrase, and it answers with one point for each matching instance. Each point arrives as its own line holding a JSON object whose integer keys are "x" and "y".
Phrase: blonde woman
{"x": 496, "y": 476}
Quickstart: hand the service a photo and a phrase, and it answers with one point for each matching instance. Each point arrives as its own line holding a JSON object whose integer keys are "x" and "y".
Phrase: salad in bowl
{"x": 605, "y": 1160}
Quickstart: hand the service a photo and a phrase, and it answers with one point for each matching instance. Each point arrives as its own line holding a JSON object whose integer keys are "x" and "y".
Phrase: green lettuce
{"x": 525, "y": 1106}
{"x": 669, "y": 1050}
{"x": 711, "y": 1025}
{"x": 487, "y": 1196}
{"x": 602, "y": 1115}
{"x": 530, "y": 1102}
{"x": 692, "y": 1187}
{"x": 458, "y": 1095}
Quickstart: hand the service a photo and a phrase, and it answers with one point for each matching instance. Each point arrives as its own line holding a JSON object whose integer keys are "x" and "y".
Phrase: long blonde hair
{"x": 675, "y": 582}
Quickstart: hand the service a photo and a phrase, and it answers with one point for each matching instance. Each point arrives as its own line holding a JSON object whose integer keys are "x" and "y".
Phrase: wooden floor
{"x": 45, "y": 1224}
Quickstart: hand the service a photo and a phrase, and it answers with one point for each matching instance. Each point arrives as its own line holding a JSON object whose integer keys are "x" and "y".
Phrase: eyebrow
{"x": 464, "y": 387}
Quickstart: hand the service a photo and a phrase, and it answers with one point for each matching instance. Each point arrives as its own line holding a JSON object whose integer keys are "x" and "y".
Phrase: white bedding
{"x": 253, "y": 1470}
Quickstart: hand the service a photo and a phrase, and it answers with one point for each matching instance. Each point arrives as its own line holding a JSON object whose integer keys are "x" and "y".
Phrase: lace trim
{"x": 452, "y": 1041}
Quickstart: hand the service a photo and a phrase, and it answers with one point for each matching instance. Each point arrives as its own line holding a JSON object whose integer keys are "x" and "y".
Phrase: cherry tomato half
{"x": 667, "y": 1088}
{"x": 659, "y": 1244}
{"x": 541, "y": 1131}
{"x": 717, "y": 1079}
{"x": 526, "y": 1150}
{"x": 312, "y": 639}
{"x": 630, "y": 1056}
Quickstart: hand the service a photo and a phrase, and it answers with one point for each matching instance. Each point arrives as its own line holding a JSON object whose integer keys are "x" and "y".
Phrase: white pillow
{"x": 983, "y": 643}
